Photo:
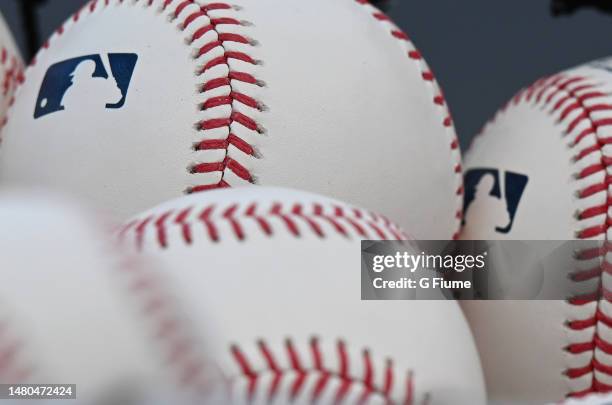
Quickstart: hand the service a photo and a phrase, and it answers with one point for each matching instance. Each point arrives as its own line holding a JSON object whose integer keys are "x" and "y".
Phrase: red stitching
{"x": 156, "y": 307}
{"x": 222, "y": 38}
{"x": 172, "y": 333}
{"x": 180, "y": 220}
{"x": 438, "y": 101}
{"x": 318, "y": 219}
{"x": 13, "y": 72}
{"x": 247, "y": 122}
{"x": 13, "y": 367}
{"x": 319, "y": 368}
{"x": 234, "y": 96}
{"x": 296, "y": 219}
{"x": 206, "y": 187}
{"x": 565, "y": 97}
{"x": 161, "y": 229}
{"x": 205, "y": 217}
{"x": 553, "y": 87}
{"x": 13, "y": 77}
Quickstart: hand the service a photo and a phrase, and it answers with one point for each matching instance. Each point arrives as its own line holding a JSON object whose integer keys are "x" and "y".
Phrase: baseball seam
{"x": 13, "y": 76}
{"x": 576, "y": 102}
{"x": 155, "y": 306}
{"x": 214, "y": 103}
{"x": 171, "y": 330}
{"x": 13, "y": 71}
{"x": 13, "y": 366}
{"x": 438, "y": 100}
{"x": 294, "y": 220}
{"x": 192, "y": 19}
{"x": 210, "y": 126}
{"x": 301, "y": 364}
{"x": 191, "y": 12}
{"x": 238, "y": 221}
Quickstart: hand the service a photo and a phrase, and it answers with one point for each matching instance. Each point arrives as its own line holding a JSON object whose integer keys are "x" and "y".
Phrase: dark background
{"x": 482, "y": 51}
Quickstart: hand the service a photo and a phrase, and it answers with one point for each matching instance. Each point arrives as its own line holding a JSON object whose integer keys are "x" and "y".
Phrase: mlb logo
{"x": 96, "y": 81}
{"x": 495, "y": 195}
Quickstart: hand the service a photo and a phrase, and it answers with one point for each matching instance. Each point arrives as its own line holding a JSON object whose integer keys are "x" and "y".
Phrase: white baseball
{"x": 550, "y": 147}
{"x": 282, "y": 269}
{"x": 74, "y": 310}
{"x": 593, "y": 399}
{"x": 11, "y": 68}
{"x": 326, "y": 96}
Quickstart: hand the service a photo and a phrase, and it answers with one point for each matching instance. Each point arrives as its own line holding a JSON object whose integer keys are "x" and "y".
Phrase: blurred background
{"x": 482, "y": 51}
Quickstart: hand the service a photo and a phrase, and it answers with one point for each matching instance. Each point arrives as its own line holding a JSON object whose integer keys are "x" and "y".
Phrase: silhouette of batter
{"x": 487, "y": 208}
{"x": 88, "y": 92}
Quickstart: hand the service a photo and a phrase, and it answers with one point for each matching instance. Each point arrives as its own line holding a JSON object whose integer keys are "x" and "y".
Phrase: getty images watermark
{"x": 411, "y": 263}
{"x": 482, "y": 270}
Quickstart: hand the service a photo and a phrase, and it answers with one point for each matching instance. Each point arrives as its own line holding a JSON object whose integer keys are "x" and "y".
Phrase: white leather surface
{"x": 280, "y": 286}
{"x": 347, "y": 112}
{"x": 595, "y": 399}
{"x": 69, "y": 304}
{"x": 521, "y": 342}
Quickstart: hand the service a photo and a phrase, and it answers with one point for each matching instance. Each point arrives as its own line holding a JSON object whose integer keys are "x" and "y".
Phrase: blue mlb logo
{"x": 86, "y": 82}
{"x": 494, "y": 194}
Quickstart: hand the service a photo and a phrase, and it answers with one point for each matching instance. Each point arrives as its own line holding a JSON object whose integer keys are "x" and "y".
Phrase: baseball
{"x": 593, "y": 399}
{"x": 539, "y": 171}
{"x": 282, "y": 269}
{"x": 76, "y": 310}
{"x": 131, "y": 103}
{"x": 11, "y": 68}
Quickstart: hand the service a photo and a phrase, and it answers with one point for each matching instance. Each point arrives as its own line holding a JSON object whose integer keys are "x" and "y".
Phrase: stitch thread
{"x": 170, "y": 330}
{"x": 438, "y": 100}
{"x": 13, "y": 368}
{"x": 234, "y": 96}
{"x": 565, "y": 97}
{"x": 157, "y": 306}
{"x": 297, "y": 219}
{"x": 247, "y": 122}
{"x": 13, "y": 76}
{"x": 234, "y": 221}
{"x": 319, "y": 369}
{"x": 189, "y": 17}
